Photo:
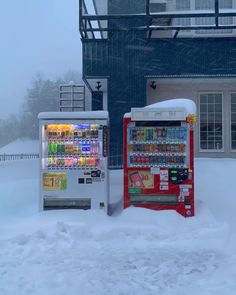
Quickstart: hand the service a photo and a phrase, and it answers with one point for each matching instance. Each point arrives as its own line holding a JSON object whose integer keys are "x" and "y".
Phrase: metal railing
{"x": 95, "y": 21}
{"x": 115, "y": 156}
{"x": 11, "y": 157}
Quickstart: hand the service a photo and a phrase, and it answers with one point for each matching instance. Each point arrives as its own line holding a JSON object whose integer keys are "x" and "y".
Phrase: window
{"x": 211, "y": 123}
{"x": 209, "y": 5}
{"x": 204, "y": 5}
{"x": 183, "y": 5}
{"x": 233, "y": 121}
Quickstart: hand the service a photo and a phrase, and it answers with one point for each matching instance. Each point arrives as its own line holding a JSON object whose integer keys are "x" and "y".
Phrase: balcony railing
{"x": 99, "y": 17}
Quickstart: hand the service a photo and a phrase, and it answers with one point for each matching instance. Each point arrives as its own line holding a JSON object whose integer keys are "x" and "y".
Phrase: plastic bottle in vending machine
{"x": 49, "y": 148}
{"x": 54, "y": 147}
{"x": 75, "y": 162}
{"x": 131, "y": 159}
{"x": 159, "y": 133}
{"x": 183, "y": 133}
{"x": 83, "y": 161}
{"x": 74, "y": 145}
{"x": 75, "y": 131}
{"x": 137, "y": 159}
{"x": 93, "y": 147}
{"x": 164, "y": 133}
{"x": 155, "y": 133}
{"x": 71, "y": 162}
{"x": 93, "y": 162}
{"x": 62, "y": 148}
{"x": 54, "y": 162}
{"x": 58, "y": 148}
{"x": 48, "y": 131}
{"x": 49, "y": 162}
{"x": 96, "y": 147}
{"x": 79, "y": 162}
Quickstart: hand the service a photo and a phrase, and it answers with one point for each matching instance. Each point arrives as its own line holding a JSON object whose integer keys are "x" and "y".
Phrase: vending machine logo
{"x": 54, "y": 181}
{"x": 141, "y": 179}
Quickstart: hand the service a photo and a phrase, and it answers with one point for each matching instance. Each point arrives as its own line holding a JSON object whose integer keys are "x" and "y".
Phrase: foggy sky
{"x": 36, "y": 36}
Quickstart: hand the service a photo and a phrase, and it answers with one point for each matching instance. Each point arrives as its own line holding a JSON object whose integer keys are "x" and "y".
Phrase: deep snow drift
{"x": 137, "y": 251}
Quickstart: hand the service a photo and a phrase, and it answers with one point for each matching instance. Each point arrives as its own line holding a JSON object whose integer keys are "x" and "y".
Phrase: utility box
{"x": 158, "y": 159}
{"x": 74, "y": 160}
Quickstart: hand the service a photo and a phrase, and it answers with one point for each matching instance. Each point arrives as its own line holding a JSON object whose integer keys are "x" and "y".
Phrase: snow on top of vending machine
{"x": 74, "y": 115}
{"x": 188, "y": 105}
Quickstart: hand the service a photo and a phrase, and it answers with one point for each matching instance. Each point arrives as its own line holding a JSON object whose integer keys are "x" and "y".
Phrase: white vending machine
{"x": 74, "y": 160}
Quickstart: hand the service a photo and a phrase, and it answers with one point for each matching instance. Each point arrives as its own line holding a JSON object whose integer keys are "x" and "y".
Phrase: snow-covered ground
{"x": 21, "y": 146}
{"x": 137, "y": 251}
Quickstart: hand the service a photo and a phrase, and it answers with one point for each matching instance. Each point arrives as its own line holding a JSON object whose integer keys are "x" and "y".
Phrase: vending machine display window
{"x": 72, "y": 146}
{"x": 157, "y": 145}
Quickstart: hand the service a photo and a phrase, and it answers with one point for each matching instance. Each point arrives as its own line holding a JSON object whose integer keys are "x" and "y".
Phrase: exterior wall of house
{"x": 192, "y": 88}
{"x": 126, "y": 58}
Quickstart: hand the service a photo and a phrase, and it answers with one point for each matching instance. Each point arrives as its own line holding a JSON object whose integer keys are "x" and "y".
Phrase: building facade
{"x": 144, "y": 51}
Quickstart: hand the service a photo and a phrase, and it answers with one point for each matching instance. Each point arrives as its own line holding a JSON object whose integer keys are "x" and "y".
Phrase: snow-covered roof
{"x": 187, "y": 104}
{"x": 74, "y": 115}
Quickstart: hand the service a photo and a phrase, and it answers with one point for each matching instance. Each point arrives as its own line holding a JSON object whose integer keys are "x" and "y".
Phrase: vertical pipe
{"x": 217, "y": 13}
{"x": 80, "y": 17}
{"x": 147, "y": 7}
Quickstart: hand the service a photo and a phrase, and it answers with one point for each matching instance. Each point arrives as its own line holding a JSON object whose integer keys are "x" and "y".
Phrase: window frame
{"x": 193, "y": 33}
{"x": 199, "y": 124}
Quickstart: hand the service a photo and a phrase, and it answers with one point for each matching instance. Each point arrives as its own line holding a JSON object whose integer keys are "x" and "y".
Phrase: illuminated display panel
{"x": 72, "y": 146}
{"x": 157, "y": 146}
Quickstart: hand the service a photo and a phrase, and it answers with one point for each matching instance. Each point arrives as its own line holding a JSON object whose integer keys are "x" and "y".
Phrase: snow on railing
{"x": 11, "y": 157}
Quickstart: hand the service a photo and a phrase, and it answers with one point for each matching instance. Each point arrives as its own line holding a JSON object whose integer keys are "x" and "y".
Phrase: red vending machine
{"x": 158, "y": 159}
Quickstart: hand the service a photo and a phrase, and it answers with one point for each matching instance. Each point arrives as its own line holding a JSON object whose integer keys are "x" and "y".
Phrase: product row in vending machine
{"x": 157, "y": 133}
{"x": 73, "y": 148}
{"x": 72, "y": 131}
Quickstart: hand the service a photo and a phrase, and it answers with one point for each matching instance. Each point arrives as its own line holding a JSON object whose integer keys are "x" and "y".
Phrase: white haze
{"x": 36, "y": 37}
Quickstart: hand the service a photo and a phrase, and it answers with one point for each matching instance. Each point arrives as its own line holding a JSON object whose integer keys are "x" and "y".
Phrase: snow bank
{"x": 21, "y": 146}
{"x": 138, "y": 251}
{"x": 187, "y": 104}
